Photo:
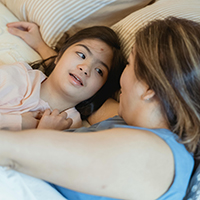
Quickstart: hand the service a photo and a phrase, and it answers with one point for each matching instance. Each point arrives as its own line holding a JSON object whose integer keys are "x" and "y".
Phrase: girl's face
{"x": 83, "y": 69}
{"x": 132, "y": 91}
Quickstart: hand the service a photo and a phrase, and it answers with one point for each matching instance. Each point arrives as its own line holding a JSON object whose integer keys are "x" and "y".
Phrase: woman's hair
{"x": 167, "y": 58}
{"x": 109, "y": 89}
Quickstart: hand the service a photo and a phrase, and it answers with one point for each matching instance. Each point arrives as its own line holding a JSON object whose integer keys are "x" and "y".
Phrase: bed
{"x": 57, "y": 20}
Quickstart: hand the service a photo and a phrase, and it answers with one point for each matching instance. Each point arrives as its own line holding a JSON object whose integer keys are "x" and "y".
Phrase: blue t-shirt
{"x": 183, "y": 160}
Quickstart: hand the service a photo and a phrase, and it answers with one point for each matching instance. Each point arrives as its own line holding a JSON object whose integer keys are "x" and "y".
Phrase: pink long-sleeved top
{"x": 20, "y": 92}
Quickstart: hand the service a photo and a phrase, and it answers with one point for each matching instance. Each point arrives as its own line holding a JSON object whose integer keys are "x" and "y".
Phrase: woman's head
{"x": 167, "y": 59}
{"x": 109, "y": 38}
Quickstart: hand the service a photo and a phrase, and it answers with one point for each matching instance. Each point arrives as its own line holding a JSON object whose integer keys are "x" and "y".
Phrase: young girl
{"x": 86, "y": 73}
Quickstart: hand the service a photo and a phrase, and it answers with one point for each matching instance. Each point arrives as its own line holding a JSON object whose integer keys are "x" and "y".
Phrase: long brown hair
{"x": 167, "y": 58}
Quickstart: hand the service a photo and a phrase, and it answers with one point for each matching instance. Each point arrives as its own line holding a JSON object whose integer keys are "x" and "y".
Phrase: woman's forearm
{"x": 31, "y": 152}
{"x": 10, "y": 122}
{"x": 46, "y": 154}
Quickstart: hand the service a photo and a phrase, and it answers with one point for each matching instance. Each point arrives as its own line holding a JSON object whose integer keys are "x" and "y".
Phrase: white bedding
{"x": 18, "y": 186}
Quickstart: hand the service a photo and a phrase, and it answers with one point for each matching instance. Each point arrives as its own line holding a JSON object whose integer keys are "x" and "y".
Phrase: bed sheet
{"x": 18, "y": 186}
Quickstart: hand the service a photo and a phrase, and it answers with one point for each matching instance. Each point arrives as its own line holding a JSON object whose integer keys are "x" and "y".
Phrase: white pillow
{"x": 17, "y": 186}
{"x": 13, "y": 48}
{"x": 127, "y": 28}
{"x": 57, "y": 16}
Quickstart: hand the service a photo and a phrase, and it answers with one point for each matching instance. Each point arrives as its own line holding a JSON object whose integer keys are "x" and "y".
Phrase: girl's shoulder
{"x": 18, "y": 67}
{"x": 10, "y": 71}
{"x": 22, "y": 70}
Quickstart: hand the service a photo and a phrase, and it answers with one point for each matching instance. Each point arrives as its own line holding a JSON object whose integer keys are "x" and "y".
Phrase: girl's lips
{"x": 76, "y": 78}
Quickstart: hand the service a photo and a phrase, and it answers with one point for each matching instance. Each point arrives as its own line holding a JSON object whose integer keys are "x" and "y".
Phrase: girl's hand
{"x": 30, "y": 33}
{"x": 54, "y": 120}
{"x": 30, "y": 120}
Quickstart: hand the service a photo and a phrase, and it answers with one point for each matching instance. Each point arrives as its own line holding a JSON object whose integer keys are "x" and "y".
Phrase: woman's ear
{"x": 148, "y": 94}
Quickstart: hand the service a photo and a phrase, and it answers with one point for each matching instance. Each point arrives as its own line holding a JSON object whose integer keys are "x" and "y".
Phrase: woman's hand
{"x": 30, "y": 120}
{"x": 30, "y": 33}
{"x": 54, "y": 120}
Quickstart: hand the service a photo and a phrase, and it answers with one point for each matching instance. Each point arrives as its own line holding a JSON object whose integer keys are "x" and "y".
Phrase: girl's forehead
{"x": 96, "y": 45}
{"x": 91, "y": 41}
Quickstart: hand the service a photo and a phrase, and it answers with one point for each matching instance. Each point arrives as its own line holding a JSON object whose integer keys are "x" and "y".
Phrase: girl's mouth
{"x": 76, "y": 78}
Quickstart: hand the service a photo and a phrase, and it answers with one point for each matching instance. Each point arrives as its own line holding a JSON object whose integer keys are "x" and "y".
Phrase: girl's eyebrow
{"x": 88, "y": 50}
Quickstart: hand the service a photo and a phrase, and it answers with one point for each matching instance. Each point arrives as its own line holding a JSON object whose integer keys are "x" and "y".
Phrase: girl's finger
{"x": 37, "y": 114}
{"x": 55, "y": 112}
{"x": 63, "y": 114}
{"x": 69, "y": 122}
{"x": 24, "y": 25}
{"x": 47, "y": 112}
{"x": 18, "y": 32}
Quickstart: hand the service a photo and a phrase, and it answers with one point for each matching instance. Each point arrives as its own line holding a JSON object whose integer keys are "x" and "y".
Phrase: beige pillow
{"x": 127, "y": 27}
{"x": 57, "y": 16}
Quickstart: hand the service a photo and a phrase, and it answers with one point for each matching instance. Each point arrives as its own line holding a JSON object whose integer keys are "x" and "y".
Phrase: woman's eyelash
{"x": 81, "y": 55}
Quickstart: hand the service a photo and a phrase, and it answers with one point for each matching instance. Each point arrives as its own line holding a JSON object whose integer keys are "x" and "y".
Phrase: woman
{"x": 151, "y": 156}
{"x": 85, "y": 73}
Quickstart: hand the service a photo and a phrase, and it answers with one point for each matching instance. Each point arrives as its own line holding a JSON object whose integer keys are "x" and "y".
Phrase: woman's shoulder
{"x": 157, "y": 157}
{"x": 144, "y": 160}
{"x": 159, "y": 135}
{"x": 158, "y": 140}
{"x": 145, "y": 137}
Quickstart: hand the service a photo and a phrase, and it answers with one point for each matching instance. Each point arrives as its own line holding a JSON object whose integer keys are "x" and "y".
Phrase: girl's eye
{"x": 99, "y": 71}
{"x": 81, "y": 55}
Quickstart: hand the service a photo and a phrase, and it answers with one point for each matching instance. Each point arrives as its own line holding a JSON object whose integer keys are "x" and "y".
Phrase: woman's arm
{"x": 14, "y": 122}
{"x": 30, "y": 33}
{"x": 10, "y": 122}
{"x": 118, "y": 163}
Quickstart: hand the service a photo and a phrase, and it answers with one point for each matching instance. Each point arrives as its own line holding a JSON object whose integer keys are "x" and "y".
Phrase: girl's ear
{"x": 148, "y": 94}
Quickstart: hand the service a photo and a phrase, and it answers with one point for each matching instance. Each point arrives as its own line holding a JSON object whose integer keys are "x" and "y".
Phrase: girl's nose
{"x": 85, "y": 69}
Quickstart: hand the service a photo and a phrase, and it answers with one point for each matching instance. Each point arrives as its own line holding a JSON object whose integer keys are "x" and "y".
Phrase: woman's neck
{"x": 156, "y": 119}
{"x": 55, "y": 100}
{"x": 150, "y": 115}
